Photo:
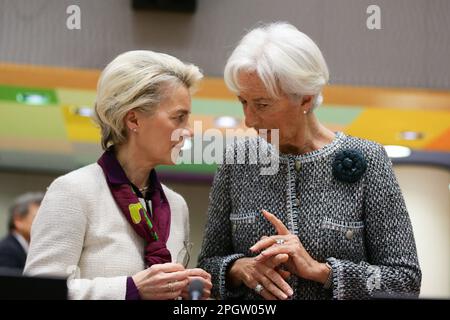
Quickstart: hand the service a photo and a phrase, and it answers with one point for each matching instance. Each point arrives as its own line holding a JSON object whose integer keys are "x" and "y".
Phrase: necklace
{"x": 143, "y": 190}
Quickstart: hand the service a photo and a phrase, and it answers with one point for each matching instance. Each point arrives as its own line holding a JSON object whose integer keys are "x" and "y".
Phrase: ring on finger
{"x": 259, "y": 288}
{"x": 280, "y": 241}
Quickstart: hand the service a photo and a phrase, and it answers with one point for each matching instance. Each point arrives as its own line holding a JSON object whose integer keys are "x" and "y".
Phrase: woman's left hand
{"x": 203, "y": 276}
{"x": 300, "y": 262}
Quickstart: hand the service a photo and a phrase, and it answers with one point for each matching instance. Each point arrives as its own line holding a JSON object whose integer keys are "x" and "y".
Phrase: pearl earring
{"x": 134, "y": 129}
{"x": 305, "y": 112}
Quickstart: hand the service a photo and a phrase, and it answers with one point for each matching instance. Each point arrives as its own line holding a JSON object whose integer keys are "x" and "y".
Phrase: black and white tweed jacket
{"x": 362, "y": 228}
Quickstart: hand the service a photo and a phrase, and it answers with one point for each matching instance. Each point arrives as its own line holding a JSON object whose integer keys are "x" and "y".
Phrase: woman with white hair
{"x": 331, "y": 222}
{"x": 111, "y": 226}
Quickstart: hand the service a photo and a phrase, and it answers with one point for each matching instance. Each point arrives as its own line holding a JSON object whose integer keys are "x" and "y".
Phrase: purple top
{"x": 132, "y": 290}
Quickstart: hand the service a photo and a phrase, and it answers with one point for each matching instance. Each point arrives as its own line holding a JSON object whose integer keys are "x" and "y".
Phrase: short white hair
{"x": 137, "y": 80}
{"x": 285, "y": 59}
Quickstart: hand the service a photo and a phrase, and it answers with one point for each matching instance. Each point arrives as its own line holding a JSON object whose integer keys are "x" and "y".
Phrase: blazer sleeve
{"x": 217, "y": 252}
{"x": 392, "y": 268}
{"x": 57, "y": 238}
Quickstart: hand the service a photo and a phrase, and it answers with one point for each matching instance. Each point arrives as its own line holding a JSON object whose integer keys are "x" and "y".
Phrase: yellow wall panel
{"x": 385, "y": 125}
{"x": 79, "y": 128}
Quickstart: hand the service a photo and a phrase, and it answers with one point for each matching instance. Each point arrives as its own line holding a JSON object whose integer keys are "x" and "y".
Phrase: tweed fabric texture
{"x": 362, "y": 229}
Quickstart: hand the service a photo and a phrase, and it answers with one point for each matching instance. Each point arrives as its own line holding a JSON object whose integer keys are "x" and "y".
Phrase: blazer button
{"x": 298, "y": 165}
{"x": 233, "y": 227}
{"x": 297, "y": 202}
{"x": 349, "y": 234}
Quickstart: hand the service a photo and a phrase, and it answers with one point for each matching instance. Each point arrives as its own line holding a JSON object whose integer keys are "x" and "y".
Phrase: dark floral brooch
{"x": 349, "y": 165}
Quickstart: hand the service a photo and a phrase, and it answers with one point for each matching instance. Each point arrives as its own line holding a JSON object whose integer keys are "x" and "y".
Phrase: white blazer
{"x": 80, "y": 233}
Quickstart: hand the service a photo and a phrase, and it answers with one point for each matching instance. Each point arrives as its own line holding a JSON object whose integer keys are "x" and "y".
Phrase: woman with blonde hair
{"x": 111, "y": 226}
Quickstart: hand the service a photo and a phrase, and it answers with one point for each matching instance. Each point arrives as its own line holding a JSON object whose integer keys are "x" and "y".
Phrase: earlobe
{"x": 306, "y": 104}
{"x": 131, "y": 121}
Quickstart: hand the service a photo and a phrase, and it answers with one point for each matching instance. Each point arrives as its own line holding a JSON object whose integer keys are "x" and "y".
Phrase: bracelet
{"x": 329, "y": 282}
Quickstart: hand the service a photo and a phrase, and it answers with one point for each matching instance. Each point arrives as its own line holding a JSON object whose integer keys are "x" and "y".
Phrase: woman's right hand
{"x": 251, "y": 273}
{"x": 161, "y": 281}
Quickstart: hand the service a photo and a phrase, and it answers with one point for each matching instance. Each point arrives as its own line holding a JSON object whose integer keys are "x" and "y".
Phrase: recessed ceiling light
{"x": 187, "y": 144}
{"x": 397, "y": 151}
{"x": 226, "y": 122}
{"x": 32, "y": 98}
{"x": 411, "y": 135}
{"x": 84, "y": 111}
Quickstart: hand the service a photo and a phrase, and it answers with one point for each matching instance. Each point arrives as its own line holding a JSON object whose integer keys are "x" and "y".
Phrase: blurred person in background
{"x": 14, "y": 247}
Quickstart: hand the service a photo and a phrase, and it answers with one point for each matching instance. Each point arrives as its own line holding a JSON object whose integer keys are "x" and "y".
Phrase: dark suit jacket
{"x": 12, "y": 255}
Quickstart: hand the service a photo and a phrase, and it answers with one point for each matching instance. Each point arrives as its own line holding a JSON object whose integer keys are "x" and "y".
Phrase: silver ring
{"x": 280, "y": 241}
{"x": 259, "y": 288}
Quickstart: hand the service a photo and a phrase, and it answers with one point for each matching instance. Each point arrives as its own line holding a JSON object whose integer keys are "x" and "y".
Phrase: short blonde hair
{"x": 137, "y": 80}
{"x": 284, "y": 59}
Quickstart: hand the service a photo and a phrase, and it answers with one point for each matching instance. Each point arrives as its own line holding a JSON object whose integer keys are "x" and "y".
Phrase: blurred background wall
{"x": 411, "y": 49}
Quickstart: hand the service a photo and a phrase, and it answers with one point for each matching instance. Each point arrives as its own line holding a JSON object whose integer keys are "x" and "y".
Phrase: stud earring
{"x": 305, "y": 112}
{"x": 134, "y": 130}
